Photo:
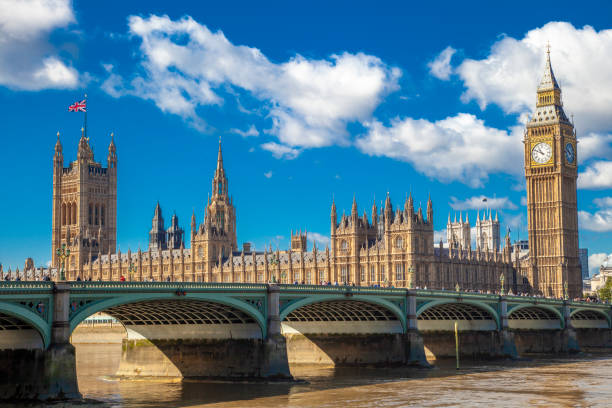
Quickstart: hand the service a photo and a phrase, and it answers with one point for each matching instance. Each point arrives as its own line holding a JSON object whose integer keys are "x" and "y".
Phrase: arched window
{"x": 200, "y": 252}
{"x": 220, "y": 186}
{"x": 74, "y": 213}
{"x": 90, "y": 215}
{"x": 63, "y": 213}
{"x": 343, "y": 245}
{"x": 399, "y": 242}
{"x": 96, "y": 210}
{"x": 102, "y": 208}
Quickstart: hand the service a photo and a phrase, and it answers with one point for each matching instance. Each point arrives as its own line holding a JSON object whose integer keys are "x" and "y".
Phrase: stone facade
{"x": 391, "y": 247}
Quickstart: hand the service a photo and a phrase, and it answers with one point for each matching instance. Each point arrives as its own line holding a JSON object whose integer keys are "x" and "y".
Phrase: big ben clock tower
{"x": 552, "y": 216}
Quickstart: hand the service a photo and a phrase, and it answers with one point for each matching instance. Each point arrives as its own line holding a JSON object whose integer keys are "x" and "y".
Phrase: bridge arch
{"x": 590, "y": 318}
{"x": 535, "y": 316}
{"x": 12, "y": 314}
{"x": 329, "y": 308}
{"x": 145, "y": 302}
{"x": 471, "y": 315}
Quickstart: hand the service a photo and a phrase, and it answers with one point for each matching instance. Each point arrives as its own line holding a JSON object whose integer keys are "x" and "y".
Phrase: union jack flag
{"x": 78, "y": 106}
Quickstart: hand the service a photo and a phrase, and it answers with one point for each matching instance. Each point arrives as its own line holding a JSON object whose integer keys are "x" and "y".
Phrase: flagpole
{"x": 85, "y": 117}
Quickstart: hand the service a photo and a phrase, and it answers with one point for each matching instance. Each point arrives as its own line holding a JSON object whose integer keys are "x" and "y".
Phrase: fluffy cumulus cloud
{"x": 482, "y": 202}
{"x": 597, "y": 175}
{"x": 597, "y": 260}
{"x": 509, "y": 75}
{"x": 184, "y": 66}
{"x": 320, "y": 240}
{"x": 251, "y": 131}
{"x": 440, "y": 67}
{"x": 600, "y": 220}
{"x": 458, "y": 148}
{"x": 281, "y": 151}
{"x": 27, "y": 60}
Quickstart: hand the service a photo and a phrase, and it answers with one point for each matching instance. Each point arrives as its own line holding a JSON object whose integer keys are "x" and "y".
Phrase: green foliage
{"x": 605, "y": 292}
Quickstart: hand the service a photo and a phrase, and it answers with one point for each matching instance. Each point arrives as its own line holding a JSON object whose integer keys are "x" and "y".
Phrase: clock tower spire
{"x": 550, "y": 172}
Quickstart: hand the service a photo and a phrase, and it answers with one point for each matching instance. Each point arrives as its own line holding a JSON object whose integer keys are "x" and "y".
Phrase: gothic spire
{"x": 220, "y": 158}
{"x": 548, "y": 82}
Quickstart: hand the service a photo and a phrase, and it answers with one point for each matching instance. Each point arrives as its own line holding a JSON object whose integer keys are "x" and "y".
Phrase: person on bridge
{"x": 122, "y": 278}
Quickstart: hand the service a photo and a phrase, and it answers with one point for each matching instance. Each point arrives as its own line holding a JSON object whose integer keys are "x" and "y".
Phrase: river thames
{"x": 578, "y": 381}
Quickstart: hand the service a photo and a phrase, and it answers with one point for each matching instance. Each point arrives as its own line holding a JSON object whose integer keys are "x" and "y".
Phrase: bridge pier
{"x": 43, "y": 374}
{"x": 508, "y": 345}
{"x": 415, "y": 348}
{"x": 568, "y": 334}
{"x": 276, "y": 361}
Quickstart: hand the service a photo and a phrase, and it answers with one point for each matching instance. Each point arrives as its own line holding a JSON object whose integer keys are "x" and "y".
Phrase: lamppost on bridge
{"x": 274, "y": 261}
{"x": 565, "y": 296}
{"x": 410, "y": 275}
{"x": 131, "y": 270}
{"x": 62, "y": 253}
{"x": 457, "y": 288}
{"x": 501, "y": 280}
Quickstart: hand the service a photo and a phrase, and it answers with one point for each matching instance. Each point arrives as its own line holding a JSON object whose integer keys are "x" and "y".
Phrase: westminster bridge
{"x": 223, "y": 330}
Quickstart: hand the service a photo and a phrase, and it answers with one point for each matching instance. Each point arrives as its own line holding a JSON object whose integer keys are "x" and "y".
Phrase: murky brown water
{"x": 584, "y": 381}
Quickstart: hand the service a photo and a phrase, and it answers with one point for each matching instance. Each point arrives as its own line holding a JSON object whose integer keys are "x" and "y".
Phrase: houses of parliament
{"x": 383, "y": 246}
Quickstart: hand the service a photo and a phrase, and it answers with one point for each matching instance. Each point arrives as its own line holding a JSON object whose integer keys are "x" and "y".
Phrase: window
{"x": 220, "y": 219}
{"x": 344, "y": 245}
{"x": 399, "y": 243}
{"x": 399, "y": 272}
{"x": 102, "y": 214}
{"x": 382, "y": 273}
{"x": 344, "y": 274}
{"x": 321, "y": 275}
{"x": 308, "y": 280}
{"x": 220, "y": 188}
{"x": 90, "y": 218}
{"x": 372, "y": 273}
{"x": 200, "y": 252}
{"x": 362, "y": 274}
{"x": 96, "y": 214}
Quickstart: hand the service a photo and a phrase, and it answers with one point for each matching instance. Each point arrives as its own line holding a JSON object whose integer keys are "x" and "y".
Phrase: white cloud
{"x": 598, "y": 175}
{"x": 458, "y": 148}
{"x": 603, "y": 202}
{"x": 596, "y": 260}
{"x": 595, "y": 145}
{"x": 509, "y": 75}
{"x": 319, "y": 239}
{"x": 281, "y": 151}
{"x": 310, "y": 102}
{"x": 268, "y": 174}
{"x": 440, "y": 67}
{"x": 440, "y": 235}
{"x": 251, "y": 131}
{"x": 600, "y": 220}
{"x": 27, "y": 60}
{"x": 477, "y": 203}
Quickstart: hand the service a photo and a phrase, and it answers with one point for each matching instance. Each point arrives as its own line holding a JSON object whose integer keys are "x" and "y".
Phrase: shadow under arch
{"x": 102, "y": 305}
{"x": 196, "y": 335}
{"x": 30, "y": 318}
{"x": 547, "y": 309}
{"x": 592, "y": 312}
{"x": 397, "y": 312}
{"x": 344, "y": 331}
{"x": 478, "y": 305}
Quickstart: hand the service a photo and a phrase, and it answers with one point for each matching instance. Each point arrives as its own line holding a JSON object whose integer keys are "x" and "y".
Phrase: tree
{"x": 605, "y": 292}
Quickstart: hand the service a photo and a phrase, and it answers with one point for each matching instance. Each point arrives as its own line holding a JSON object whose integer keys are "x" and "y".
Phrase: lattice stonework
{"x": 163, "y": 312}
{"x": 340, "y": 311}
{"x": 533, "y": 313}
{"x": 455, "y": 311}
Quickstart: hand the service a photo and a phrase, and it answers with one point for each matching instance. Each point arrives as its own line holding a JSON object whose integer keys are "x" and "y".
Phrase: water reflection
{"x": 580, "y": 381}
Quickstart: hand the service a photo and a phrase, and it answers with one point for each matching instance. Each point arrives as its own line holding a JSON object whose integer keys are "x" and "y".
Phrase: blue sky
{"x": 312, "y": 101}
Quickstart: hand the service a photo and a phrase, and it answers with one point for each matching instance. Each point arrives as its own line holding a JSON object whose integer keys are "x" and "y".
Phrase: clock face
{"x": 569, "y": 153}
{"x": 541, "y": 153}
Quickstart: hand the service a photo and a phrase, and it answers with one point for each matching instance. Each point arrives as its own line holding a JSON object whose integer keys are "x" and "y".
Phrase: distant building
{"x": 583, "y": 254}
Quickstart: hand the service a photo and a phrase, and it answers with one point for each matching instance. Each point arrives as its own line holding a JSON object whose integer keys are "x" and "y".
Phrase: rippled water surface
{"x": 583, "y": 381}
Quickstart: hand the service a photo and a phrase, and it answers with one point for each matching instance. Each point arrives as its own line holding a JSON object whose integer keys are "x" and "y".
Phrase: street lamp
{"x": 131, "y": 270}
{"x": 62, "y": 253}
{"x": 501, "y": 280}
{"x": 565, "y": 290}
{"x": 457, "y": 288}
